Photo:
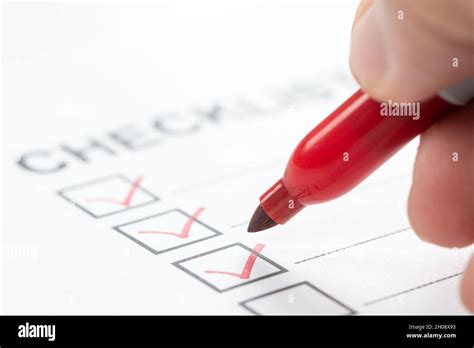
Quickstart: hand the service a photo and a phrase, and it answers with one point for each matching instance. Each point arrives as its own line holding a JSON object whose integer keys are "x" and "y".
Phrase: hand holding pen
{"x": 414, "y": 61}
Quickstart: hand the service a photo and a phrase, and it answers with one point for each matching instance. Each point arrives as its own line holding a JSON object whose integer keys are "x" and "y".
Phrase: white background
{"x": 72, "y": 70}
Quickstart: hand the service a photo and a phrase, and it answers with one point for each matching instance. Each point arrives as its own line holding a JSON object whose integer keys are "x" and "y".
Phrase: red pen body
{"x": 344, "y": 149}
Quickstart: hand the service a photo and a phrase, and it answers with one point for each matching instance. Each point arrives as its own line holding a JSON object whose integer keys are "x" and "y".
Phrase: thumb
{"x": 407, "y": 50}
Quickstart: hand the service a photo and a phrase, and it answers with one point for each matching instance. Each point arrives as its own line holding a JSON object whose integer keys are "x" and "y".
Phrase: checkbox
{"x": 298, "y": 299}
{"x": 168, "y": 230}
{"x": 230, "y": 267}
{"x": 108, "y": 195}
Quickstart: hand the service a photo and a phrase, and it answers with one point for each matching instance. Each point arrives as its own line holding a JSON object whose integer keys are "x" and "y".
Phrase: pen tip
{"x": 260, "y": 221}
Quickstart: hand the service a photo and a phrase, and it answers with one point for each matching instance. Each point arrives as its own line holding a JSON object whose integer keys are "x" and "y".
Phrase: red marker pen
{"x": 346, "y": 147}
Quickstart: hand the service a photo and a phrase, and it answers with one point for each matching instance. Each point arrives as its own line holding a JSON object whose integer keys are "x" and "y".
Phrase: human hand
{"x": 408, "y": 56}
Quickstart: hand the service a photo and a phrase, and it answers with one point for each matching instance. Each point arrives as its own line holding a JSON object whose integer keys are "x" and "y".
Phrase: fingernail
{"x": 368, "y": 56}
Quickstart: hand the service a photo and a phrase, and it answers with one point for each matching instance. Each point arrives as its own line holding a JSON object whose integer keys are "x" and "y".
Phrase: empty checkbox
{"x": 298, "y": 299}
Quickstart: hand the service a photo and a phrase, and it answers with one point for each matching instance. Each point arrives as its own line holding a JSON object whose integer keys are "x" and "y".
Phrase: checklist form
{"x": 137, "y": 139}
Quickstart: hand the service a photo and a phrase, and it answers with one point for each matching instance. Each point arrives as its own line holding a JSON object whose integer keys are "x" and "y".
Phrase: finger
{"x": 361, "y": 9}
{"x": 467, "y": 286}
{"x": 407, "y": 50}
{"x": 441, "y": 201}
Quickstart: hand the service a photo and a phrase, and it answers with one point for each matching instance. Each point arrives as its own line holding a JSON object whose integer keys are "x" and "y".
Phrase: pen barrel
{"x": 352, "y": 142}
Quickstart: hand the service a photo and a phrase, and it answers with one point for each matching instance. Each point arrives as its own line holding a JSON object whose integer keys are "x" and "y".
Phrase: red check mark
{"x": 126, "y": 200}
{"x": 245, "y": 274}
{"x": 186, "y": 228}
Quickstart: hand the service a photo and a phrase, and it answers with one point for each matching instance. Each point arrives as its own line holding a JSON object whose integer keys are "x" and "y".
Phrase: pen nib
{"x": 260, "y": 221}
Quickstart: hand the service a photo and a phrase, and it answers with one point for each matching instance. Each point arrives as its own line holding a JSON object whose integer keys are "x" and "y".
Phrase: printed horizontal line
{"x": 240, "y": 224}
{"x": 217, "y": 180}
{"x": 352, "y": 246}
{"x": 412, "y": 289}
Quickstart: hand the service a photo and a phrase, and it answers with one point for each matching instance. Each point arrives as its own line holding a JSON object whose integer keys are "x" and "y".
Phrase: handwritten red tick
{"x": 184, "y": 231}
{"x": 126, "y": 201}
{"x": 247, "y": 270}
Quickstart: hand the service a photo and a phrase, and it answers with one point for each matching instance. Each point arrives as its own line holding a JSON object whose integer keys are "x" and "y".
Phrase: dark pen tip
{"x": 260, "y": 221}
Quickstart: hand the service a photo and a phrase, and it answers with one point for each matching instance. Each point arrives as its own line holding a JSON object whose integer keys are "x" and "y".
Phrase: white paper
{"x": 212, "y": 97}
